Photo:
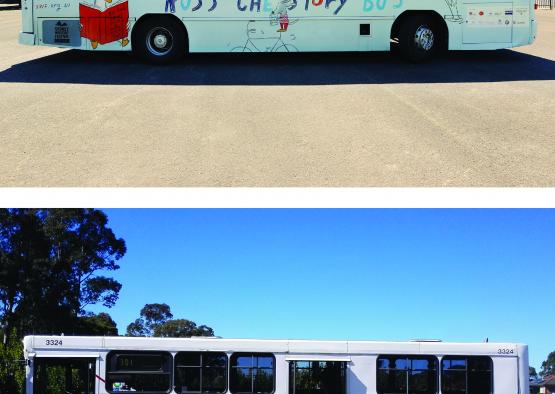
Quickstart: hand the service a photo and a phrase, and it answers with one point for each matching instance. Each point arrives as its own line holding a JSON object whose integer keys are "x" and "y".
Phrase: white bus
{"x": 165, "y": 30}
{"x": 100, "y": 365}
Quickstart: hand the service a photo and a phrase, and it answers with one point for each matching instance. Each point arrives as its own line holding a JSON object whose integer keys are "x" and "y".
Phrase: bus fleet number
{"x": 505, "y": 351}
{"x": 53, "y": 342}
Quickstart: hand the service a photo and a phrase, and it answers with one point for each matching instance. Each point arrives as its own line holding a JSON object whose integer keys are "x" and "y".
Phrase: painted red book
{"x": 104, "y": 26}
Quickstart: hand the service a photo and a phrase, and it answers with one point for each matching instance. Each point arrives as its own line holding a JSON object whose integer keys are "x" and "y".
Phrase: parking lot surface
{"x": 73, "y": 118}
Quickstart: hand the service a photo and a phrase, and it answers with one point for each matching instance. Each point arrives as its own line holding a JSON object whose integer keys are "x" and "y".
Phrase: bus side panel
{"x": 524, "y": 14}
{"x": 252, "y": 36}
{"x": 488, "y": 22}
{"x": 496, "y": 24}
{"x": 523, "y": 370}
{"x": 86, "y": 24}
{"x": 27, "y": 16}
{"x": 101, "y": 373}
{"x": 284, "y": 25}
{"x": 361, "y": 375}
{"x": 505, "y": 375}
{"x": 274, "y": 25}
{"x": 282, "y": 373}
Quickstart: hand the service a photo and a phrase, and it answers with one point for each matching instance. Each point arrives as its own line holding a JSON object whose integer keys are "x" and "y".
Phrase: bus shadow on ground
{"x": 109, "y": 68}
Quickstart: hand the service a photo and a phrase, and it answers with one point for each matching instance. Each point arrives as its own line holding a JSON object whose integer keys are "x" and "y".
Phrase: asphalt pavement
{"x": 72, "y": 118}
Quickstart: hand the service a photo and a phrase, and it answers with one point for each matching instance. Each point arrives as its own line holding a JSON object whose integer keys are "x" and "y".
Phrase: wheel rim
{"x": 424, "y": 38}
{"x": 159, "y": 41}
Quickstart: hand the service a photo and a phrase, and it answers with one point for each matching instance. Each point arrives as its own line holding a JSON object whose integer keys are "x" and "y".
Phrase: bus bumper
{"x": 26, "y": 38}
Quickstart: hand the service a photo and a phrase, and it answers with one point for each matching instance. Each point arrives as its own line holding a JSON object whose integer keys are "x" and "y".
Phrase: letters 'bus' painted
{"x": 101, "y": 365}
{"x": 164, "y": 30}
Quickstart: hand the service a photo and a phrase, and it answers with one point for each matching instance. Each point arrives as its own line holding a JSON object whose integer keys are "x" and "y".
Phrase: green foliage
{"x": 63, "y": 376}
{"x": 151, "y": 317}
{"x": 50, "y": 261}
{"x": 548, "y": 366}
{"x": 100, "y": 325}
{"x": 155, "y": 315}
{"x": 12, "y": 369}
{"x": 156, "y": 321}
{"x": 137, "y": 329}
{"x": 532, "y": 372}
{"x": 182, "y": 328}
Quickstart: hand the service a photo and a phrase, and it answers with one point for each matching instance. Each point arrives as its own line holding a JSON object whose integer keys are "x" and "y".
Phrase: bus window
{"x": 461, "y": 375}
{"x": 64, "y": 375}
{"x": 138, "y": 372}
{"x": 200, "y": 372}
{"x": 252, "y": 373}
{"x": 403, "y": 374}
{"x": 317, "y": 377}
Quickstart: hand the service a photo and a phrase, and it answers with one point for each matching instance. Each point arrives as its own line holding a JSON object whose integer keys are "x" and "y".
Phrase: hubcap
{"x": 159, "y": 41}
{"x": 424, "y": 38}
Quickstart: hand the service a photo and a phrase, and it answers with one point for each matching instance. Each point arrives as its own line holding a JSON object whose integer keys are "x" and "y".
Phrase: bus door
{"x": 60, "y": 375}
{"x": 488, "y": 22}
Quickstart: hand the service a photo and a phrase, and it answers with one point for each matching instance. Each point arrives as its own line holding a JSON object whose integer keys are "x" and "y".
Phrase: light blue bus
{"x": 166, "y": 30}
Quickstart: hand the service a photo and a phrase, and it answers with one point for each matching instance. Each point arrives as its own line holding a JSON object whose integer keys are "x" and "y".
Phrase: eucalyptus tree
{"x": 53, "y": 264}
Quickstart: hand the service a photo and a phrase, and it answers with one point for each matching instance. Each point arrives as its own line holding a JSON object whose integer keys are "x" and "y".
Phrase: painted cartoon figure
{"x": 283, "y": 22}
{"x": 103, "y": 22}
{"x": 280, "y": 15}
{"x": 170, "y": 5}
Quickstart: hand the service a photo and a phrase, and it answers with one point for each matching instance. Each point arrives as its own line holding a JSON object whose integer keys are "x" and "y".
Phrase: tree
{"x": 12, "y": 370}
{"x": 155, "y": 315}
{"x": 548, "y": 366}
{"x": 50, "y": 265}
{"x": 156, "y": 320}
{"x": 532, "y": 373}
{"x": 151, "y": 316}
{"x": 182, "y": 328}
{"x": 101, "y": 324}
{"x": 137, "y": 329}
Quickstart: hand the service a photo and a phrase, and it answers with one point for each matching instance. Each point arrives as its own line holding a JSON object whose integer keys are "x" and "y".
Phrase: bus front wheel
{"x": 159, "y": 40}
{"x": 419, "y": 39}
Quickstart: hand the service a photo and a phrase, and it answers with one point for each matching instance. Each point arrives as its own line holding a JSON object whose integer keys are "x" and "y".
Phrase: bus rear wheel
{"x": 419, "y": 39}
{"x": 159, "y": 40}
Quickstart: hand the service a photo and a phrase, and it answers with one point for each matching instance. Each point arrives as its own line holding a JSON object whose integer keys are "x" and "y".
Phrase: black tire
{"x": 415, "y": 35}
{"x": 159, "y": 39}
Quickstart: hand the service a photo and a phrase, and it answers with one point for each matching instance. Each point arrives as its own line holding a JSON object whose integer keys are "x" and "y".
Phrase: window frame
{"x": 409, "y": 370}
{"x": 466, "y": 370}
{"x": 252, "y": 354}
{"x": 200, "y": 367}
{"x": 138, "y": 372}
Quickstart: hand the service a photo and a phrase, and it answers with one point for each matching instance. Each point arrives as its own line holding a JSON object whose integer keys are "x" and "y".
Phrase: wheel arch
{"x": 146, "y": 17}
{"x": 438, "y": 19}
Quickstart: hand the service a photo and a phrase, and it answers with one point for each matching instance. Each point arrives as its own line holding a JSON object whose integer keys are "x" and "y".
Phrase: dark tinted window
{"x": 402, "y": 374}
{"x": 138, "y": 371}
{"x": 200, "y": 372}
{"x": 63, "y": 375}
{"x": 252, "y": 373}
{"x": 317, "y": 377}
{"x": 466, "y": 375}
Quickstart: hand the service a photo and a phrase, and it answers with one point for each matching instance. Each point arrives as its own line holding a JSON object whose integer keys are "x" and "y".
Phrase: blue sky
{"x": 378, "y": 274}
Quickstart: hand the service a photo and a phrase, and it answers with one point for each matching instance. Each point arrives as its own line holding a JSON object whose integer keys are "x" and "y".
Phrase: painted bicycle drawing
{"x": 262, "y": 37}
{"x": 454, "y": 8}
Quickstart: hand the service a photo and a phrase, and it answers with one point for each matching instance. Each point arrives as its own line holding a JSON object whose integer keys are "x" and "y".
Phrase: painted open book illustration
{"x": 105, "y": 23}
